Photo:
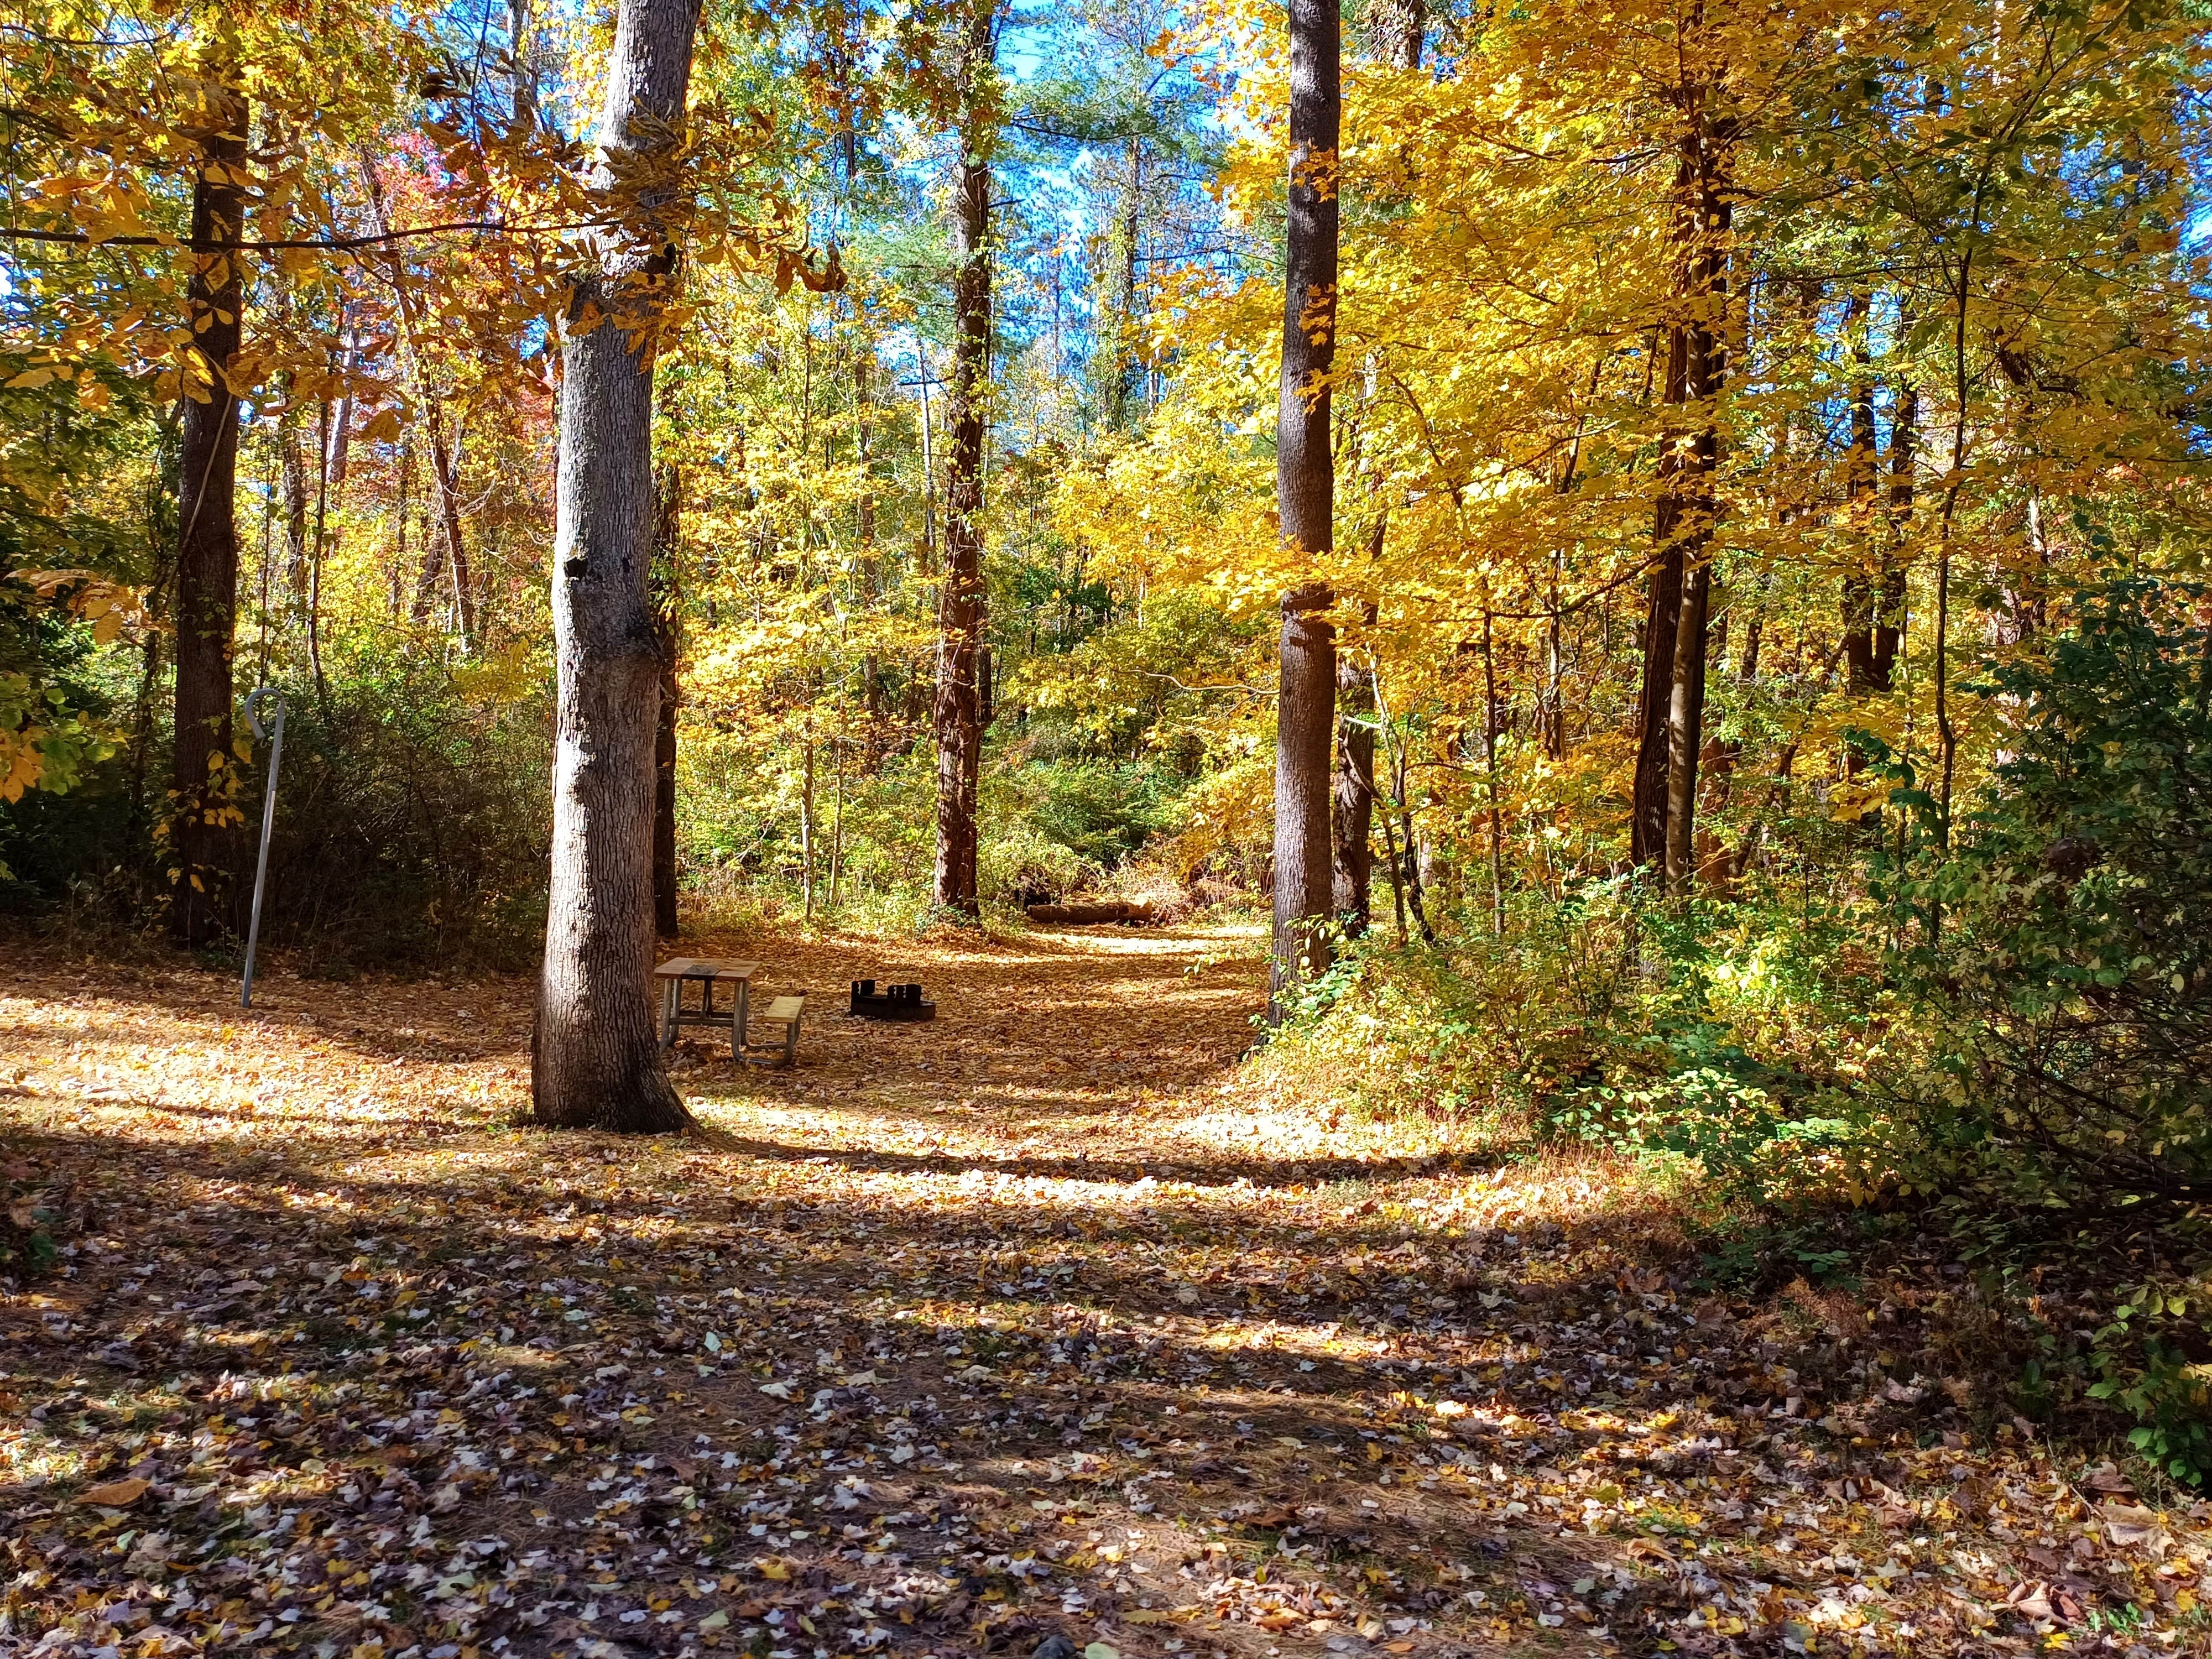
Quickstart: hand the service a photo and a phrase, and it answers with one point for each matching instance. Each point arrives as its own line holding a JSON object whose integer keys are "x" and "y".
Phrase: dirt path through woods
{"x": 1039, "y": 1321}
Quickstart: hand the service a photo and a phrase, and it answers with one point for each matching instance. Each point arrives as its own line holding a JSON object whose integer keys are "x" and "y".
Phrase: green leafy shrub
{"x": 2151, "y": 1361}
{"x": 412, "y": 823}
{"x": 2064, "y": 961}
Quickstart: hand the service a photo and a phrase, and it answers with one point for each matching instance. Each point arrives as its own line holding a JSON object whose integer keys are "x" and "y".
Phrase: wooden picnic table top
{"x": 705, "y": 968}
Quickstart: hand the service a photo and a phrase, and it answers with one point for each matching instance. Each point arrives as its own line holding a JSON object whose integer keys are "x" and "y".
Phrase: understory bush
{"x": 412, "y": 823}
{"x": 2062, "y": 960}
{"x": 2010, "y": 1034}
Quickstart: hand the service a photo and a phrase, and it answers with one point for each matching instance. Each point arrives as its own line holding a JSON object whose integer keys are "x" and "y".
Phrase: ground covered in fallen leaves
{"x": 1037, "y": 1327}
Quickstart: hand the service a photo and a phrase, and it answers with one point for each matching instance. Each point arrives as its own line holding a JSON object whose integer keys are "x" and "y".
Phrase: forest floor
{"x": 1039, "y": 1327}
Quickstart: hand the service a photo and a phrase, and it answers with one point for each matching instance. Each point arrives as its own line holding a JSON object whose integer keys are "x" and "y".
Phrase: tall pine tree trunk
{"x": 206, "y": 843}
{"x": 1305, "y": 496}
{"x": 959, "y": 711}
{"x": 595, "y": 1055}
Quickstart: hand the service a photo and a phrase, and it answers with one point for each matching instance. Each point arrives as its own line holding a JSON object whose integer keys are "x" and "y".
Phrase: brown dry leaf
{"x": 115, "y": 1494}
{"x": 940, "y": 1286}
{"x": 2132, "y": 1527}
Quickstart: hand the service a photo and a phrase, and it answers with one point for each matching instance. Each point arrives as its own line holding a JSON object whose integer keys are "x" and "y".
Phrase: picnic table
{"x": 708, "y": 972}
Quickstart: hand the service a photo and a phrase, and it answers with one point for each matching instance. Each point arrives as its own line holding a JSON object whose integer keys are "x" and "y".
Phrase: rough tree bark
{"x": 1305, "y": 492}
{"x": 204, "y": 826}
{"x": 668, "y": 622}
{"x": 959, "y": 713}
{"x": 1672, "y": 707}
{"x": 595, "y": 1056}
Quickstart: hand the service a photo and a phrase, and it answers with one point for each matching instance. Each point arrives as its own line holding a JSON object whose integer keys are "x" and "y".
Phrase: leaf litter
{"x": 1037, "y": 1330}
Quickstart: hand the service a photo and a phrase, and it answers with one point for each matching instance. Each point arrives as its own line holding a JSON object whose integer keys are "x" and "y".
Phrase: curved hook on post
{"x": 259, "y": 698}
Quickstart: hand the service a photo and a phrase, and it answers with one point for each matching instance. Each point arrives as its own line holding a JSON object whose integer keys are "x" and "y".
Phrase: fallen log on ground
{"x": 1091, "y": 914}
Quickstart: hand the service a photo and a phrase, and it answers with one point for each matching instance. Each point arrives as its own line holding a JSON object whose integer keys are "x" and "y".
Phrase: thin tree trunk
{"x": 1684, "y": 729}
{"x": 668, "y": 624}
{"x": 1874, "y": 591}
{"x": 1305, "y": 491}
{"x": 159, "y": 492}
{"x": 443, "y": 471}
{"x": 1121, "y": 359}
{"x": 340, "y": 434}
{"x": 1397, "y": 30}
{"x": 863, "y": 504}
{"x": 1351, "y": 791}
{"x": 292, "y": 472}
{"x": 205, "y": 842}
{"x": 1555, "y": 672}
{"x": 959, "y": 715}
{"x": 1397, "y": 877}
{"x": 404, "y": 467}
{"x": 522, "y": 67}
{"x": 315, "y": 561}
{"x": 1490, "y": 761}
{"x": 1408, "y": 871}
{"x": 1662, "y": 619}
{"x": 595, "y": 1056}
{"x": 838, "y": 812}
{"x": 1946, "y": 738}
{"x": 1352, "y": 797}
{"x": 806, "y": 824}
{"x": 929, "y": 462}
{"x": 1416, "y": 876}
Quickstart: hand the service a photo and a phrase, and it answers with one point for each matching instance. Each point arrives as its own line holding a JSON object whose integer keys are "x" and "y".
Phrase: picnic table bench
{"x": 707, "y": 973}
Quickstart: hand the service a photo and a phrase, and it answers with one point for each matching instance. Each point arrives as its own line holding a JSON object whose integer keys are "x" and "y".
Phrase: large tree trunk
{"x": 595, "y": 1056}
{"x": 1672, "y": 706}
{"x": 668, "y": 622}
{"x": 206, "y": 843}
{"x": 1305, "y": 496}
{"x": 959, "y": 713}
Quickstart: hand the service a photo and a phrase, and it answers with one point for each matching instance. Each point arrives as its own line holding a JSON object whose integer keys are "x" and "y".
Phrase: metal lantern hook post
{"x": 262, "y": 696}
